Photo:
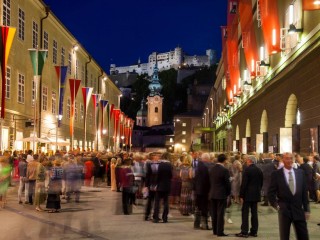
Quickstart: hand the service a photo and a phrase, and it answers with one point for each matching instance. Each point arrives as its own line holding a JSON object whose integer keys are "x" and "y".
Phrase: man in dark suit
{"x": 201, "y": 189}
{"x": 288, "y": 194}
{"x": 151, "y": 182}
{"x": 163, "y": 190}
{"x": 250, "y": 195}
{"x": 220, "y": 188}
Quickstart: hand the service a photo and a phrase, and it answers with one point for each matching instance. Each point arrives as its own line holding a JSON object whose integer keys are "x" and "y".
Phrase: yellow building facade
{"x": 37, "y": 27}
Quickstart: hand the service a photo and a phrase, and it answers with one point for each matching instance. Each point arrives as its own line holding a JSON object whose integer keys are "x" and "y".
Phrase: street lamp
{"x": 122, "y": 138}
{"x": 59, "y": 118}
{"x": 208, "y": 116}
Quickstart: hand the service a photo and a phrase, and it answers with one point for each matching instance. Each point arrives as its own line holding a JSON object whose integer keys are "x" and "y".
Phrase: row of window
{"x": 21, "y": 97}
{"x": 35, "y": 35}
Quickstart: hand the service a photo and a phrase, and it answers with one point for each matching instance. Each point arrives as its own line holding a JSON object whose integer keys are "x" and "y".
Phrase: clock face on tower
{"x": 156, "y": 99}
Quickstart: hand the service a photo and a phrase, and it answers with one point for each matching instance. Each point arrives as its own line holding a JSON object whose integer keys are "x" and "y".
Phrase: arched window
{"x": 156, "y": 109}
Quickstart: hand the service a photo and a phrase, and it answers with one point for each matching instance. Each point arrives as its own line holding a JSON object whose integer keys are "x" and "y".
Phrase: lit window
{"x": 184, "y": 132}
{"x": 75, "y": 111}
{"x": 68, "y": 108}
{"x": 8, "y": 82}
{"x": 184, "y": 124}
{"x": 77, "y": 68}
{"x": 171, "y": 140}
{"x": 63, "y": 55}
{"x": 82, "y": 73}
{"x": 45, "y": 40}
{"x": 69, "y": 64}
{"x": 6, "y": 12}
{"x": 21, "y": 81}
{"x": 34, "y": 34}
{"x": 54, "y": 52}
{"x": 44, "y": 98}
{"x": 33, "y": 93}
{"x": 183, "y": 141}
{"x": 183, "y": 149}
{"x": 53, "y": 102}
{"x": 81, "y": 111}
{"x": 21, "y": 24}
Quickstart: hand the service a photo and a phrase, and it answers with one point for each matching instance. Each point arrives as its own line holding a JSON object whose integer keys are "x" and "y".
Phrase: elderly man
{"x": 220, "y": 189}
{"x": 201, "y": 189}
{"x": 250, "y": 190}
{"x": 288, "y": 194}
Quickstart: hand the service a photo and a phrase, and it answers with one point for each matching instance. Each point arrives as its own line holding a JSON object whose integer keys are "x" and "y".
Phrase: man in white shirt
{"x": 288, "y": 194}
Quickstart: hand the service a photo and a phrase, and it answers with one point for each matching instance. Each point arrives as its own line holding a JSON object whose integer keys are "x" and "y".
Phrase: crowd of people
{"x": 200, "y": 184}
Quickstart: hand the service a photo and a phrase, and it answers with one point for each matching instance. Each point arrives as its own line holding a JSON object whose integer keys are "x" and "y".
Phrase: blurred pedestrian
{"x": 5, "y": 173}
{"x": 54, "y": 187}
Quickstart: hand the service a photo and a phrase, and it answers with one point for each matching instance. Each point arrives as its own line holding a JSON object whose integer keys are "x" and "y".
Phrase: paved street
{"x": 98, "y": 216}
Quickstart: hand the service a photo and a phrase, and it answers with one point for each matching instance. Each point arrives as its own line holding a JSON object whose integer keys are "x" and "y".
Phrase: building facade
{"x": 37, "y": 27}
{"x": 265, "y": 95}
{"x": 166, "y": 61}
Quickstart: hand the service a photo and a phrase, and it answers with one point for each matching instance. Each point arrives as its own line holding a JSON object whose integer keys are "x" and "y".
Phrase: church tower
{"x": 142, "y": 114}
{"x": 155, "y": 100}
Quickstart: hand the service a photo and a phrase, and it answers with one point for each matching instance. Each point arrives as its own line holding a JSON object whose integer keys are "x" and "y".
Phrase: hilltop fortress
{"x": 173, "y": 59}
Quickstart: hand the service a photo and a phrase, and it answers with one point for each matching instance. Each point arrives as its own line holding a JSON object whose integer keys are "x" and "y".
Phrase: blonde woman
{"x": 186, "y": 175}
{"x": 40, "y": 194}
{"x": 113, "y": 175}
{"x": 5, "y": 171}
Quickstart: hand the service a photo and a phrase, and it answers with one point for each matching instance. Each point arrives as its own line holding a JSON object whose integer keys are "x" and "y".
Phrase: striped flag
{"x": 74, "y": 87}
{"x": 6, "y": 38}
{"x": 61, "y": 74}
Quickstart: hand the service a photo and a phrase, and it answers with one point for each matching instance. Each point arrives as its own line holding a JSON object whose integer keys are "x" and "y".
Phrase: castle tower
{"x": 155, "y": 100}
{"x": 142, "y": 114}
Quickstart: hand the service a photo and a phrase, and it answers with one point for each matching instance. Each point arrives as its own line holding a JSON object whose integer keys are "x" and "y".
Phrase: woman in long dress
{"x": 55, "y": 187}
{"x": 236, "y": 169}
{"x": 113, "y": 175}
{"x": 186, "y": 203}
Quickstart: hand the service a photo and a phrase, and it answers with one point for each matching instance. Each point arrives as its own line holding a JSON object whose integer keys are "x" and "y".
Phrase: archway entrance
{"x": 290, "y": 134}
{"x": 262, "y": 137}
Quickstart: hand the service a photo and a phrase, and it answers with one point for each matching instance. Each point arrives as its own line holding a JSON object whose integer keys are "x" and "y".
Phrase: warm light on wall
{"x": 234, "y": 89}
{"x": 291, "y": 14}
{"x": 261, "y": 53}
{"x": 317, "y": 2}
{"x": 274, "y": 37}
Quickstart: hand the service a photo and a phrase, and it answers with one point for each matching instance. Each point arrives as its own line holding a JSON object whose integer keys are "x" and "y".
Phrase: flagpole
{"x": 73, "y": 112}
{"x": 35, "y": 101}
{"x": 85, "y": 127}
{"x": 108, "y": 126}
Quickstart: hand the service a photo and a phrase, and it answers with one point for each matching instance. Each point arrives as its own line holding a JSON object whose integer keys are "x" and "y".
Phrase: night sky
{"x": 121, "y": 31}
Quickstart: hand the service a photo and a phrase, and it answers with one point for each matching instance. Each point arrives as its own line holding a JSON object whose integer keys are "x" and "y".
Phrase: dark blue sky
{"x": 121, "y": 31}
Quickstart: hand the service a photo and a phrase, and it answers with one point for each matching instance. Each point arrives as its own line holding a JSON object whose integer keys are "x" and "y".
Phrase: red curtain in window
{"x": 248, "y": 35}
{"x": 270, "y": 25}
{"x": 310, "y": 5}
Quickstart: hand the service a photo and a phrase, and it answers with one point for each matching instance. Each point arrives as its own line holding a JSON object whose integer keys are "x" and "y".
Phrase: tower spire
{"x": 155, "y": 86}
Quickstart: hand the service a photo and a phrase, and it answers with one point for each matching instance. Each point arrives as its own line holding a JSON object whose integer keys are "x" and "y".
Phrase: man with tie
{"x": 288, "y": 194}
{"x": 220, "y": 189}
